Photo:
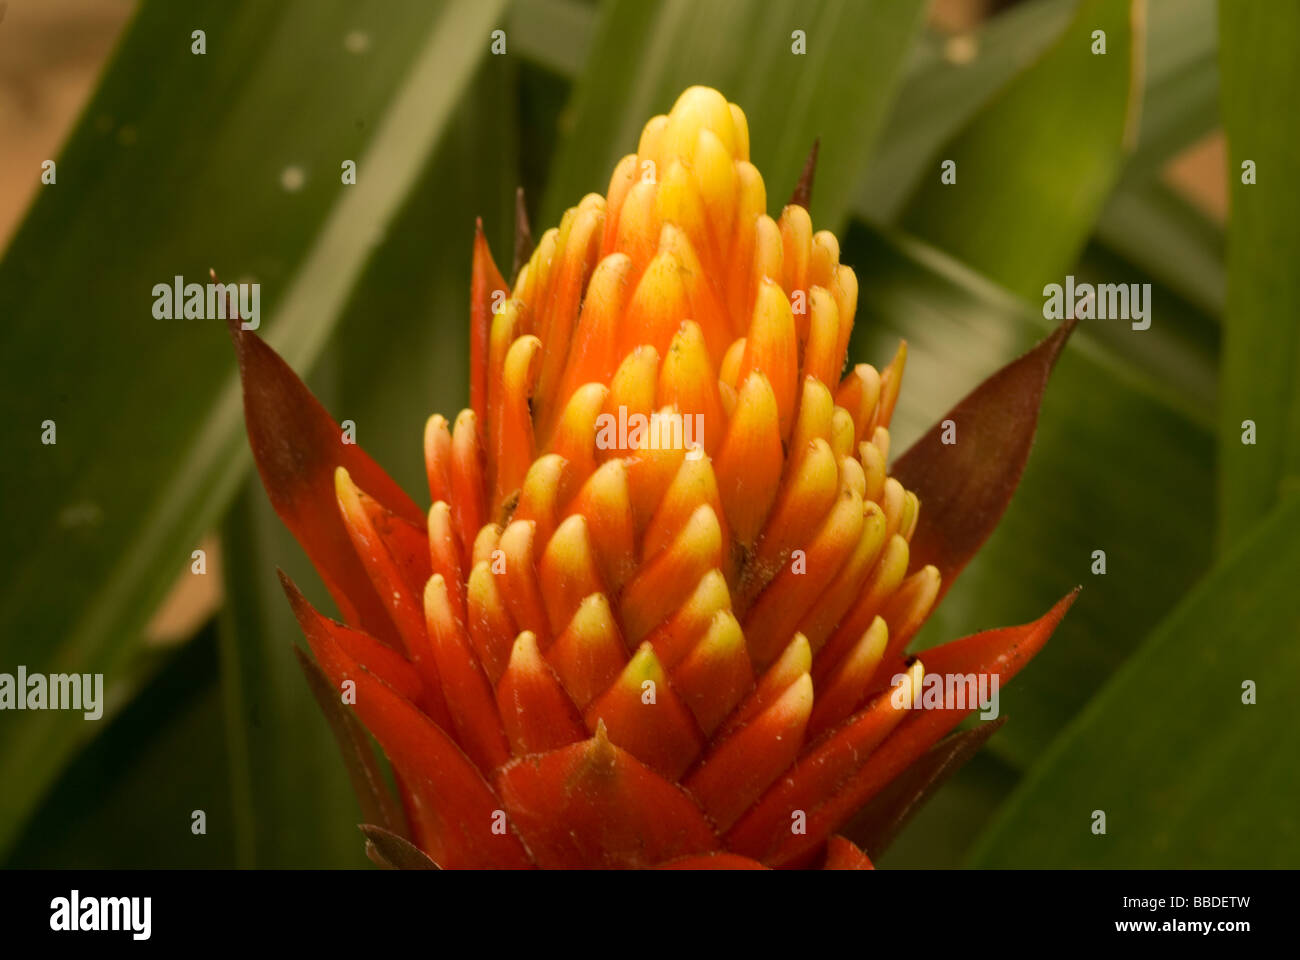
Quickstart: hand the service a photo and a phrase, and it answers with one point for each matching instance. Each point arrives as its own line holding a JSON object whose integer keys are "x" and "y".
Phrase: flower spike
{"x": 656, "y": 612}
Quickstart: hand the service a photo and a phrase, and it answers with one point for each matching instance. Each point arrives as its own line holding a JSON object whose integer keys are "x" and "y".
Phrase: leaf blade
{"x": 156, "y": 490}
{"x": 1207, "y": 781}
{"x": 1260, "y": 355}
{"x": 1021, "y": 217}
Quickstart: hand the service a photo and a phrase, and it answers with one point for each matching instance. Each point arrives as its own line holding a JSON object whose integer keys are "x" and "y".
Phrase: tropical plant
{"x": 1165, "y": 456}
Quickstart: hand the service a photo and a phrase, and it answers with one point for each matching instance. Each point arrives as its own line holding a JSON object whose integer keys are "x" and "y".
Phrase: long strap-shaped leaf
{"x": 1261, "y": 351}
{"x": 1033, "y": 169}
{"x": 147, "y": 411}
{"x": 1190, "y": 751}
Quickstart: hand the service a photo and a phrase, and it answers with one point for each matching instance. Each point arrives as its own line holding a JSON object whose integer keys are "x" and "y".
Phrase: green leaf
{"x": 1187, "y": 772}
{"x": 149, "y": 187}
{"x": 398, "y": 355}
{"x": 128, "y": 800}
{"x": 1178, "y": 356}
{"x": 1035, "y": 167}
{"x": 1109, "y": 440}
{"x": 1261, "y": 83}
{"x": 951, "y": 78}
{"x": 1181, "y": 82}
{"x": 555, "y": 34}
{"x": 1155, "y": 229}
{"x": 293, "y": 802}
{"x": 643, "y": 55}
{"x": 1144, "y": 222}
{"x": 946, "y": 84}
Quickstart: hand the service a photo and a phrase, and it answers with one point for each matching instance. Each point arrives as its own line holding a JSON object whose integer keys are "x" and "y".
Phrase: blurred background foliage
{"x": 1114, "y": 168}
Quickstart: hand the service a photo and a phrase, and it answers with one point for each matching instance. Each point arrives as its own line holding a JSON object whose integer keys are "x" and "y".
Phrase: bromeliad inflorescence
{"x": 657, "y": 613}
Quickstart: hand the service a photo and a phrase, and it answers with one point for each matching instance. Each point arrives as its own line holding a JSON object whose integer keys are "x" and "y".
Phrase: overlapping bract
{"x": 604, "y": 646}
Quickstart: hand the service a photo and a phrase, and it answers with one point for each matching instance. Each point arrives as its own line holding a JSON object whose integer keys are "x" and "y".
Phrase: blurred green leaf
{"x": 1187, "y": 773}
{"x": 127, "y": 801}
{"x": 1034, "y": 168}
{"x": 1117, "y": 465}
{"x": 1178, "y": 356}
{"x": 398, "y": 355}
{"x": 643, "y": 55}
{"x": 542, "y": 96}
{"x": 293, "y": 803}
{"x": 1261, "y": 355}
{"x": 1181, "y": 81}
{"x": 1154, "y": 228}
{"x": 947, "y": 82}
{"x": 1144, "y": 221}
{"x": 553, "y": 33}
{"x": 1146, "y": 233}
{"x": 149, "y": 187}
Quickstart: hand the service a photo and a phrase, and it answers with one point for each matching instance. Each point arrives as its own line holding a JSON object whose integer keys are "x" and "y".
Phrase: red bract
{"x": 657, "y": 612}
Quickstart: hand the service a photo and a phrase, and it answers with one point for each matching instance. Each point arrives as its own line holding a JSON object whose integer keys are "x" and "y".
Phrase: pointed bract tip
{"x": 601, "y": 750}
{"x": 302, "y": 609}
{"x": 523, "y": 235}
{"x": 802, "y": 195}
{"x": 289, "y": 587}
{"x": 233, "y": 324}
{"x": 1054, "y": 342}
